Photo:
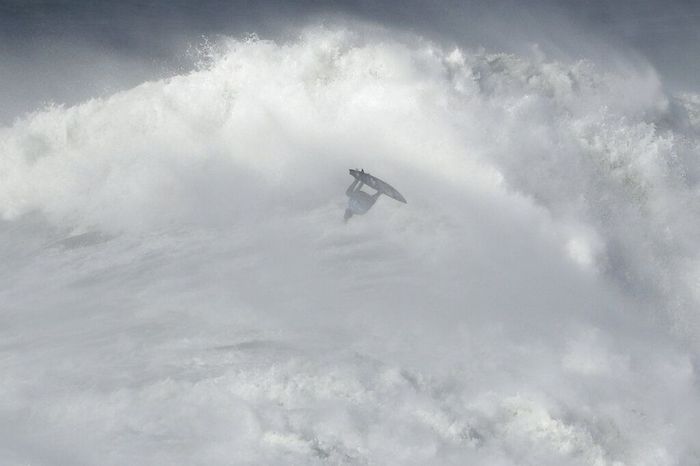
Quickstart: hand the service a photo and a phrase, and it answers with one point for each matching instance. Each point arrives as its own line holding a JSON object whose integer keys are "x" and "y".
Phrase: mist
{"x": 66, "y": 51}
{"x": 178, "y": 285}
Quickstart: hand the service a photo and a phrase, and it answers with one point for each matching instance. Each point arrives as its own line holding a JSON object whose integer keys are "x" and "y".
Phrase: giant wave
{"x": 179, "y": 286}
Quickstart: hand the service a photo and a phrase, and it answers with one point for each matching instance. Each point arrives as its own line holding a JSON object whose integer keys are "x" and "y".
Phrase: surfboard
{"x": 380, "y": 185}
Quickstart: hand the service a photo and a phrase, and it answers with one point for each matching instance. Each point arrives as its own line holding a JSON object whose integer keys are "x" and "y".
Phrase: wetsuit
{"x": 359, "y": 202}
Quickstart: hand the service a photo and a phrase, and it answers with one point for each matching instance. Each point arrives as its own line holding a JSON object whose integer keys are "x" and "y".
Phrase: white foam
{"x": 535, "y": 301}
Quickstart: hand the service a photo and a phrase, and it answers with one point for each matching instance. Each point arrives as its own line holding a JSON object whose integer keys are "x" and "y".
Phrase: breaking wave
{"x": 534, "y": 302}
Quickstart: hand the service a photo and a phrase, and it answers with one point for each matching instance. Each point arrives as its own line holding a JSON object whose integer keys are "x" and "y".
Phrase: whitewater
{"x": 178, "y": 286}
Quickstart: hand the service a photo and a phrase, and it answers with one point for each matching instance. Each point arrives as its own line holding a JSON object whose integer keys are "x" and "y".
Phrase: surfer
{"x": 359, "y": 202}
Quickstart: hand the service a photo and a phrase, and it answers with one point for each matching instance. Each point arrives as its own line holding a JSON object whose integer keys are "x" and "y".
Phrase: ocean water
{"x": 177, "y": 284}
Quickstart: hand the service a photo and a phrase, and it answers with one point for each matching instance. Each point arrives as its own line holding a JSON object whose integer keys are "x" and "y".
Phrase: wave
{"x": 551, "y": 229}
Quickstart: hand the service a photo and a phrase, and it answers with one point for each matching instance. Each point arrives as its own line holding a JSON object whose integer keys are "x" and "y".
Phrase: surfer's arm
{"x": 351, "y": 187}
